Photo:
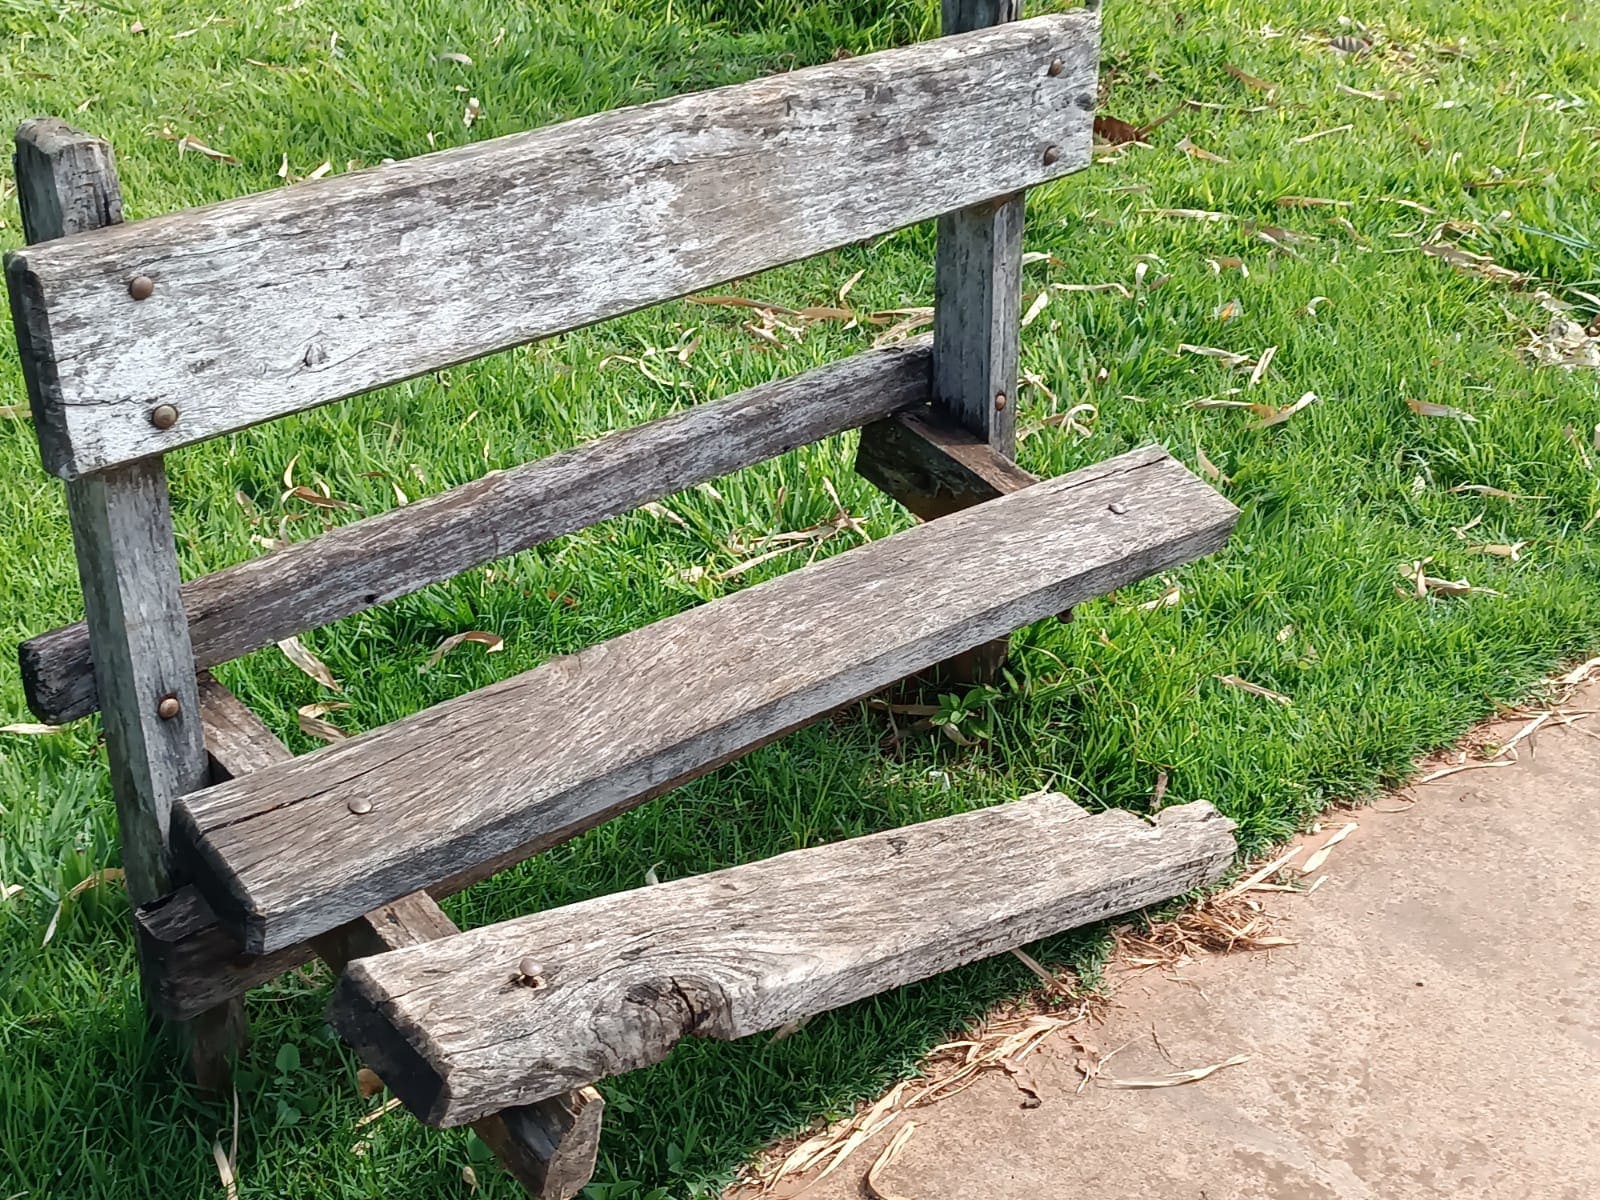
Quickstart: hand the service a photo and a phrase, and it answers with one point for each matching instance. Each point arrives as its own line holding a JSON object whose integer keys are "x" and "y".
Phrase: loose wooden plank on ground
{"x": 537, "y": 1004}
{"x": 533, "y": 760}
{"x": 262, "y": 600}
{"x": 274, "y": 303}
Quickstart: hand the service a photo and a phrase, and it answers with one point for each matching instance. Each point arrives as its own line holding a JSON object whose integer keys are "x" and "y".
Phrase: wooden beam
{"x": 529, "y": 762}
{"x": 534, "y": 1005}
{"x": 933, "y": 466}
{"x": 274, "y": 303}
{"x": 549, "y": 1147}
{"x": 128, "y": 567}
{"x": 255, "y": 603}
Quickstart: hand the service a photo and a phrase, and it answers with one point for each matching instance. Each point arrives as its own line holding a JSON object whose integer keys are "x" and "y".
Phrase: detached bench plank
{"x": 274, "y": 303}
{"x": 527, "y": 763}
{"x": 255, "y": 603}
{"x": 460, "y": 1025}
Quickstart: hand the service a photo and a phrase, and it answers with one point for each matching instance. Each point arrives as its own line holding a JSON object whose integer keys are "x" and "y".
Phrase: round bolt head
{"x": 168, "y": 708}
{"x": 529, "y": 968}
{"x": 1057, "y": 66}
{"x": 164, "y": 416}
{"x": 1117, "y": 507}
{"x": 1052, "y": 154}
{"x": 1000, "y": 402}
{"x": 361, "y": 806}
{"x": 140, "y": 287}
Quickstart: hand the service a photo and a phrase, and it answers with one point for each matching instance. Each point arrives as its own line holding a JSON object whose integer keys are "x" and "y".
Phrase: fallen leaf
{"x": 225, "y": 1172}
{"x": 1193, "y": 1075}
{"x": 1357, "y": 92}
{"x": 1320, "y": 856}
{"x": 1202, "y": 154}
{"x": 1283, "y": 414}
{"x": 1312, "y": 202}
{"x": 388, "y": 1106}
{"x": 473, "y": 111}
{"x": 308, "y": 718}
{"x": 368, "y": 1083}
{"x": 1114, "y": 131}
{"x": 1321, "y": 133}
{"x": 453, "y": 56}
{"x": 896, "y": 1144}
{"x": 1483, "y": 489}
{"x": 1262, "y": 364}
{"x": 316, "y": 499}
{"x": 1170, "y": 598}
{"x": 308, "y": 662}
{"x": 188, "y": 143}
{"x": 1209, "y": 468}
{"x": 8, "y": 890}
{"x": 1253, "y": 82}
{"x": 1227, "y": 357}
{"x": 1034, "y": 309}
{"x": 741, "y": 302}
{"x": 15, "y": 412}
{"x": 31, "y": 729}
{"x": 1228, "y": 312}
{"x": 1424, "y": 408}
{"x": 1513, "y": 551}
{"x": 492, "y": 643}
{"x": 1188, "y": 214}
{"x": 103, "y": 875}
{"x": 1255, "y": 689}
{"x": 844, "y": 288}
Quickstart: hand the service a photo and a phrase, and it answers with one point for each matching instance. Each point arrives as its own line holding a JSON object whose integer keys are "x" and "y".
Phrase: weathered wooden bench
{"x": 244, "y": 861}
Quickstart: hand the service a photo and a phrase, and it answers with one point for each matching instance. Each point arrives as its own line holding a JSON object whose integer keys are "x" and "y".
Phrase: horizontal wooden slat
{"x": 262, "y": 600}
{"x": 616, "y": 982}
{"x": 529, "y": 762}
{"x": 277, "y": 302}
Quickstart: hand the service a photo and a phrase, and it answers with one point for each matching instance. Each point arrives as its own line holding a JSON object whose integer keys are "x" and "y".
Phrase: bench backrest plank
{"x": 274, "y": 303}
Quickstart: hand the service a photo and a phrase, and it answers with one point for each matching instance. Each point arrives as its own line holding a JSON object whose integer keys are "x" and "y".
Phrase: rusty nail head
{"x": 1000, "y": 402}
{"x": 361, "y": 806}
{"x": 140, "y": 287}
{"x": 1118, "y": 507}
{"x": 1051, "y": 154}
{"x": 1056, "y": 66}
{"x": 164, "y": 416}
{"x": 168, "y": 707}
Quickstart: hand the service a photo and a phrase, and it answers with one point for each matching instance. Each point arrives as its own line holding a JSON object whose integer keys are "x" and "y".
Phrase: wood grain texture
{"x": 978, "y": 285}
{"x": 277, "y": 302}
{"x": 455, "y": 1026}
{"x": 933, "y": 466}
{"x": 535, "y": 759}
{"x": 336, "y": 574}
{"x": 549, "y": 1147}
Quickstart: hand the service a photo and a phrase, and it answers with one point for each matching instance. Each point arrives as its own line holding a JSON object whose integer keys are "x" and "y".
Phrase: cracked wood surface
{"x": 616, "y": 982}
{"x": 531, "y": 761}
{"x": 255, "y": 603}
{"x": 277, "y": 302}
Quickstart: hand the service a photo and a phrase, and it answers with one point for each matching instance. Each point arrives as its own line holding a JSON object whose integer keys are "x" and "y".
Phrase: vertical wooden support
{"x": 128, "y": 564}
{"x": 977, "y": 290}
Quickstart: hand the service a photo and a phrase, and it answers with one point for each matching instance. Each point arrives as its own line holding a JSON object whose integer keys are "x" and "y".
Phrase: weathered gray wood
{"x": 933, "y": 466}
{"x": 549, "y": 1147}
{"x": 262, "y": 600}
{"x": 617, "y": 982}
{"x": 276, "y": 302}
{"x": 128, "y": 567}
{"x": 535, "y": 759}
{"x": 978, "y": 284}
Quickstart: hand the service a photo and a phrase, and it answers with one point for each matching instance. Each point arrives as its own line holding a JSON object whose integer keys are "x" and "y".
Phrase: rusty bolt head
{"x": 1118, "y": 507}
{"x": 168, "y": 707}
{"x": 1000, "y": 402}
{"x": 361, "y": 806}
{"x": 1052, "y": 154}
{"x": 164, "y": 416}
{"x": 1057, "y": 66}
{"x": 528, "y": 975}
{"x": 140, "y": 287}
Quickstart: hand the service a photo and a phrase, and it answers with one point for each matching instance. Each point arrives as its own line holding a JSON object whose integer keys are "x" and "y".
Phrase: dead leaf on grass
{"x": 1034, "y": 309}
{"x": 1483, "y": 489}
{"x": 1262, "y": 364}
{"x": 1469, "y": 263}
{"x": 1320, "y": 855}
{"x": 1254, "y": 82}
{"x": 103, "y": 875}
{"x": 1204, "y": 155}
{"x": 1227, "y": 358}
{"x": 1175, "y": 1079}
{"x": 308, "y": 719}
{"x": 294, "y": 650}
{"x": 1229, "y": 311}
{"x": 492, "y": 643}
{"x": 1430, "y": 585}
{"x": 15, "y": 412}
{"x": 1188, "y": 214}
{"x": 1255, "y": 689}
{"x": 1209, "y": 468}
{"x": 1322, "y": 133}
{"x": 1512, "y": 550}
{"x": 31, "y": 729}
{"x": 1361, "y": 95}
{"x": 1287, "y": 411}
{"x": 1425, "y": 408}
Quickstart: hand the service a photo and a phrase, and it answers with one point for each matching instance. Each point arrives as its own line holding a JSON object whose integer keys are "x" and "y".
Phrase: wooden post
{"x": 128, "y": 565}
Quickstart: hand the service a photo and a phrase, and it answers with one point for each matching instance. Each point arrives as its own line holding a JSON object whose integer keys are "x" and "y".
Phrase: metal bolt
{"x": 1052, "y": 154}
{"x": 140, "y": 287}
{"x": 528, "y": 975}
{"x": 361, "y": 806}
{"x": 1056, "y": 66}
{"x": 164, "y": 416}
{"x": 1118, "y": 507}
{"x": 1000, "y": 402}
{"x": 168, "y": 708}
{"x": 529, "y": 968}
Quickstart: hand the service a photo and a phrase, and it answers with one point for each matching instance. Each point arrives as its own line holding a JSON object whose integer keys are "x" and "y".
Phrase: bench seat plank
{"x": 529, "y": 762}
{"x": 270, "y": 304}
{"x": 459, "y": 1025}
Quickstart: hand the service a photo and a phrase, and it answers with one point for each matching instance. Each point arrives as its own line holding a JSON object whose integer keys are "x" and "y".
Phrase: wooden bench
{"x": 244, "y": 861}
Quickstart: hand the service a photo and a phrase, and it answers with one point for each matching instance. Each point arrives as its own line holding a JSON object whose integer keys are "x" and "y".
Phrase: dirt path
{"x": 1435, "y": 1031}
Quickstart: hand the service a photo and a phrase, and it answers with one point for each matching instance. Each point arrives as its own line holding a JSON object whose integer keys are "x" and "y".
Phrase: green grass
{"x": 1303, "y": 601}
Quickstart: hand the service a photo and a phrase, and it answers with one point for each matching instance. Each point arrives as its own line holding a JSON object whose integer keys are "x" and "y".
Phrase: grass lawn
{"x": 1467, "y": 123}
